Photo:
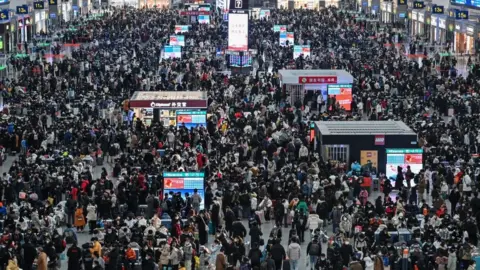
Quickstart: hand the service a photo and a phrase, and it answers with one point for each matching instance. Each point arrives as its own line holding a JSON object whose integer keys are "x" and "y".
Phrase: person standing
{"x": 79, "y": 219}
{"x": 74, "y": 255}
{"x": 320, "y": 102}
{"x": 41, "y": 259}
{"x": 278, "y": 254}
{"x": 294, "y": 253}
{"x": 314, "y": 249}
{"x": 221, "y": 260}
{"x": 91, "y": 217}
{"x": 29, "y": 254}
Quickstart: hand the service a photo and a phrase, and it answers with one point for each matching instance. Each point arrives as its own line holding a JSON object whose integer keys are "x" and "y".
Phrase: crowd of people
{"x": 83, "y": 165}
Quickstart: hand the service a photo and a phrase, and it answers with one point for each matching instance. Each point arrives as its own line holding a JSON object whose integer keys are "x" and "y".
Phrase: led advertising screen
{"x": 286, "y": 36}
{"x": 241, "y": 61}
{"x": 204, "y": 19}
{"x": 238, "y": 31}
{"x": 177, "y": 40}
{"x": 191, "y": 118}
{"x": 279, "y": 28}
{"x": 181, "y": 28}
{"x": 471, "y": 3}
{"x": 172, "y": 52}
{"x": 264, "y": 13}
{"x": 204, "y": 7}
{"x": 342, "y": 93}
{"x": 301, "y": 49}
{"x": 403, "y": 158}
{"x": 184, "y": 182}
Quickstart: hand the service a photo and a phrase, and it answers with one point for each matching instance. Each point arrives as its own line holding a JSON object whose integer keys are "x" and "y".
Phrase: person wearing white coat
{"x": 467, "y": 185}
{"x": 314, "y": 222}
{"x": 253, "y": 202}
{"x": 368, "y": 263}
{"x": 303, "y": 153}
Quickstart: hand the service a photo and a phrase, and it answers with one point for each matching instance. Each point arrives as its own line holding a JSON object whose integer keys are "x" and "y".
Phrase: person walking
{"x": 74, "y": 255}
{"x": 314, "y": 249}
{"x": 294, "y": 253}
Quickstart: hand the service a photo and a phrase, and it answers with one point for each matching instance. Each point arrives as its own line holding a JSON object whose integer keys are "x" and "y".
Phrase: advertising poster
{"x": 184, "y": 182}
{"x": 342, "y": 93}
{"x": 191, "y": 118}
{"x": 181, "y": 28}
{"x": 172, "y": 52}
{"x": 301, "y": 49}
{"x": 366, "y": 155}
{"x": 238, "y": 32}
{"x": 177, "y": 40}
{"x": 286, "y": 36}
{"x": 403, "y": 158}
{"x": 279, "y": 28}
{"x": 204, "y": 19}
{"x": 264, "y": 14}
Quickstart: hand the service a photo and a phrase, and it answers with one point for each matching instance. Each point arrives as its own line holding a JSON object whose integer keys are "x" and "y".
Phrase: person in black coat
{"x": 255, "y": 255}
{"x": 74, "y": 255}
{"x": 279, "y": 211}
{"x": 148, "y": 263}
{"x": 278, "y": 254}
{"x": 255, "y": 234}
{"x": 29, "y": 255}
{"x": 238, "y": 230}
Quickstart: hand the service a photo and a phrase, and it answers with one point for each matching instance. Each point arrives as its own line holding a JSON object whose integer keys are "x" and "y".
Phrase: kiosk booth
{"x": 387, "y": 145}
{"x": 171, "y": 108}
{"x": 328, "y": 82}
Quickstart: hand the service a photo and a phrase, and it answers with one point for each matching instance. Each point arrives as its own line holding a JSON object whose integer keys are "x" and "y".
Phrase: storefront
{"x": 472, "y": 32}
{"x": 40, "y": 21}
{"x": 300, "y": 83}
{"x": 438, "y": 28}
{"x": 387, "y": 14}
{"x": 460, "y": 38}
{"x": 300, "y": 4}
{"x": 170, "y": 108}
{"x": 66, "y": 11}
{"x": 152, "y": 3}
{"x": 413, "y": 17}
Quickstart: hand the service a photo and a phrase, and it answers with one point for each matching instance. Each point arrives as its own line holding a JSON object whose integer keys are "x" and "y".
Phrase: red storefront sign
{"x": 194, "y": 12}
{"x": 169, "y": 104}
{"x": 174, "y": 183}
{"x": 379, "y": 139}
{"x": 317, "y": 79}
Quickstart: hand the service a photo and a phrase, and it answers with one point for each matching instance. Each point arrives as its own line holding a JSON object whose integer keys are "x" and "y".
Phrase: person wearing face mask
{"x": 346, "y": 252}
{"x": 148, "y": 263}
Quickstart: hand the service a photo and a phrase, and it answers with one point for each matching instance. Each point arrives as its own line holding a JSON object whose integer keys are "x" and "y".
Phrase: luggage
{"x": 286, "y": 265}
{"x": 261, "y": 215}
{"x": 99, "y": 161}
{"x": 289, "y": 219}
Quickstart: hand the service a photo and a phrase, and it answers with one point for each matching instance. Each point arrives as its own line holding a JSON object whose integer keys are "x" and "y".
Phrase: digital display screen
{"x": 472, "y": 3}
{"x": 204, "y": 19}
{"x": 301, "y": 49}
{"x": 38, "y": 5}
{"x": 191, "y": 118}
{"x": 264, "y": 13}
{"x": 241, "y": 61}
{"x": 403, "y": 158}
{"x": 342, "y": 93}
{"x": 238, "y": 32}
{"x": 177, "y": 40}
{"x": 181, "y": 28}
{"x": 185, "y": 182}
{"x": 286, "y": 36}
{"x": 418, "y": 4}
{"x": 172, "y": 52}
{"x": 279, "y": 28}
{"x": 204, "y": 8}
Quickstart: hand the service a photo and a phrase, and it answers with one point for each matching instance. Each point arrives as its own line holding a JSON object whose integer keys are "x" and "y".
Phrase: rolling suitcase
{"x": 99, "y": 161}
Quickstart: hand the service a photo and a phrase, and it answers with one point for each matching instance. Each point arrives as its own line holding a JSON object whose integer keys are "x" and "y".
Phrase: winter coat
{"x": 313, "y": 221}
{"x": 368, "y": 263}
{"x": 253, "y": 203}
{"x": 12, "y": 265}
{"x": 42, "y": 261}
{"x": 356, "y": 265}
{"x": 79, "y": 218}
{"x": 221, "y": 262}
{"x": 378, "y": 263}
{"x": 91, "y": 212}
{"x": 165, "y": 255}
{"x": 452, "y": 261}
{"x": 294, "y": 251}
{"x": 176, "y": 256}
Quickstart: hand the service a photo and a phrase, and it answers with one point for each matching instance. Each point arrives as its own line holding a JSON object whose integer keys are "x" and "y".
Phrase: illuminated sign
{"x": 301, "y": 50}
{"x": 402, "y": 2}
{"x": 418, "y": 4}
{"x": 23, "y": 9}
{"x": 177, "y": 40}
{"x": 181, "y": 28}
{"x": 438, "y": 9}
{"x": 185, "y": 182}
{"x": 38, "y": 5}
{"x": 52, "y": 2}
{"x": 238, "y": 32}
{"x": 318, "y": 79}
{"x": 279, "y": 28}
{"x": 191, "y": 118}
{"x": 402, "y": 159}
{"x": 4, "y": 14}
{"x": 461, "y": 14}
{"x": 342, "y": 94}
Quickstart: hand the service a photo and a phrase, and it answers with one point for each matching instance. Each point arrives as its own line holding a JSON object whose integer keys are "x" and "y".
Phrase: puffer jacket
{"x": 356, "y": 265}
{"x": 294, "y": 251}
{"x": 313, "y": 221}
{"x": 165, "y": 255}
{"x": 346, "y": 223}
{"x": 452, "y": 261}
{"x": 176, "y": 256}
{"x": 91, "y": 212}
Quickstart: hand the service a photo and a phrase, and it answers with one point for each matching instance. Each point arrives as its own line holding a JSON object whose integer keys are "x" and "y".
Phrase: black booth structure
{"x": 383, "y": 143}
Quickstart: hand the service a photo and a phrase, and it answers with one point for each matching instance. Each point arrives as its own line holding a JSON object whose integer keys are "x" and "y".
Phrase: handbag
{"x": 206, "y": 226}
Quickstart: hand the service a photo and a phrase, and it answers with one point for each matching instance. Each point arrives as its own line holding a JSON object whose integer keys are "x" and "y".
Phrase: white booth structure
{"x": 330, "y": 82}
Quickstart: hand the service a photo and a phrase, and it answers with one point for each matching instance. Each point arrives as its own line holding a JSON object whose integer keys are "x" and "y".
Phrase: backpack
{"x": 165, "y": 205}
{"x": 314, "y": 250}
{"x": 69, "y": 237}
{"x": 130, "y": 254}
{"x": 196, "y": 200}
